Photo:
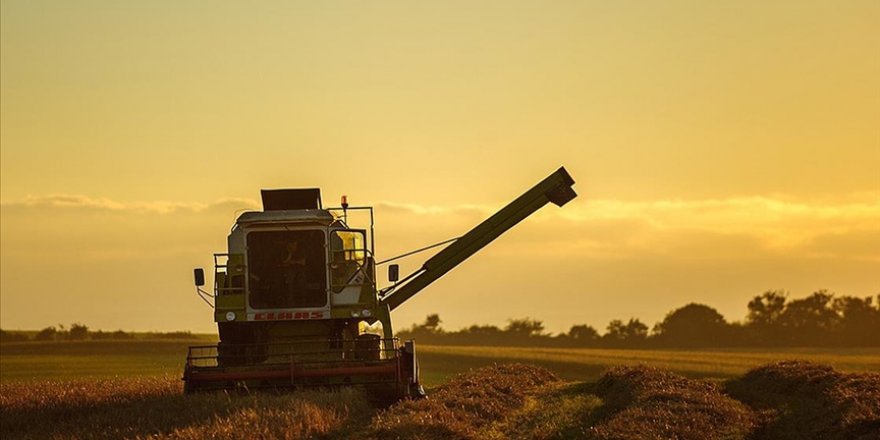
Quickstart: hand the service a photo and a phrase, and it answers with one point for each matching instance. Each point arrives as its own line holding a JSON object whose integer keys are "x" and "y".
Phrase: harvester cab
{"x": 297, "y": 304}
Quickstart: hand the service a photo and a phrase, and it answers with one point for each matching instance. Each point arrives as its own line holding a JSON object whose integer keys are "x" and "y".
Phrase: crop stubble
{"x": 781, "y": 400}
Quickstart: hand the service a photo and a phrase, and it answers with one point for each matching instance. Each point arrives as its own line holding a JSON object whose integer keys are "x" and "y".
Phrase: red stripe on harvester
{"x": 288, "y": 373}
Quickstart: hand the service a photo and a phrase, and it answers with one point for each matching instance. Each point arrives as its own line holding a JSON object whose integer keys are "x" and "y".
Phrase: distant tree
{"x": 7, "y": 336}
{"x": 583, "y": 334}
{"x": 119, "y": 334}
{"x": 763, "y": 326}
{"x": 524, "y": 327}
{"x": 632, "y": 333}
{"x": 636, "y": 330}
{"x": 773, "y": 319}
{"x": 78, "y": 332}
{"x": 185, "y": 334}
{"x": 810, "y": 320}
{"x": 859, "y": 321}
{"x": 432, "y": 323}
{"x": 739, "y": 334}
{"x": 483, "y": 330}
{"x": 46, "y": 334}
{"x": 765, "y": 309}
{"x": 426, "y": 331}
{"x": 616, "y": 331}
{"x": 694, "y": 325}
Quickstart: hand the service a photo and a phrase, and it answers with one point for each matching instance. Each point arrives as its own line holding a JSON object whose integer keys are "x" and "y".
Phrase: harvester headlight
{"x": 366, "y": 312}
{"x": 355, "y": 313}
{"x": 230, "y": 316}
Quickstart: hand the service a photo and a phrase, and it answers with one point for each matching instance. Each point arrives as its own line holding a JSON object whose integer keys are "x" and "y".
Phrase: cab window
{"x": 348, "y": 257}
{"x": 286, "y": 269}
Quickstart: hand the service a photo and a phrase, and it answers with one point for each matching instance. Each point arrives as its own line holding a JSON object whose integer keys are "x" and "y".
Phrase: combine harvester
{"x": 296, "y": 299}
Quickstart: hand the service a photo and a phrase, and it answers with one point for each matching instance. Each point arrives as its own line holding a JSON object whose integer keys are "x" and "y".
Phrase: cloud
{"x": 82, "y": 202}
{"x": 412, "y": 208}
{"x": 741, "y": 213}
{"x": 860, "y": 243}
{"x": 736, "y": 227}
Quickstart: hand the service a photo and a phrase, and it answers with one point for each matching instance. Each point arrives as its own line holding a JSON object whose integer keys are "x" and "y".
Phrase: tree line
{"x": 773, "y": 320}
{"x": 81, "y": 332}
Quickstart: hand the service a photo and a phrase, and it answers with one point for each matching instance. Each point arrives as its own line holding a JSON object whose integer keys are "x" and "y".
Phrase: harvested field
{"x": 464, "y": 407}
{"x": 587, "y": 364}
{"x": 156, "y": 408}
{"x": 643, "y": 402}
{"x": 804, "y": 400}
{"x": 785, "y": 400}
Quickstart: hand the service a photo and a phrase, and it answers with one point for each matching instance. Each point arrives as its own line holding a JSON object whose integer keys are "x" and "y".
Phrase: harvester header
{"x": 297, "y": 303}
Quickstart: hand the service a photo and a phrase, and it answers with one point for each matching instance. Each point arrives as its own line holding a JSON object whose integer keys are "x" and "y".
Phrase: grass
{"x": 106, "y": 359}
{"x": 91, "y": 359}
{"x": 556, "y": 411}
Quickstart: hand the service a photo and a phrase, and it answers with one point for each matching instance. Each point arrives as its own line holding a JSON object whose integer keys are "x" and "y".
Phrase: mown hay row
{"x": 803, "y": 400}
{"x": 646, "y": 403}
{"x": 794, "y": 400}
{"x": 463, "y": 407}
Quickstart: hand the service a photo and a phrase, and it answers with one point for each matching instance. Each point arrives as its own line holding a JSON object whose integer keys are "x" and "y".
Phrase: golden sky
{"x": 720, "y": 148}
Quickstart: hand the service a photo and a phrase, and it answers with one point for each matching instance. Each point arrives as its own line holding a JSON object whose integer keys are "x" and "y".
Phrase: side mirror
{"x": 199, "y": 275}
{"x": 393, "y": 273}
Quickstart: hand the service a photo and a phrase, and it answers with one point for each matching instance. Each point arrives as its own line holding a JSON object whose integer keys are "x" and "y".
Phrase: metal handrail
{"x": 217, "y": 265}
{"x": 302, "y": 353}
{"x": 394, "y": 340}
{"x": 287, "y": 355}
{"x": 208, "y": 356}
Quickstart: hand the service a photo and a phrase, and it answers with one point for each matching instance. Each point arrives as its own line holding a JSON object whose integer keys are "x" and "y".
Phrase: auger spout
{"x": 556, "y": 189}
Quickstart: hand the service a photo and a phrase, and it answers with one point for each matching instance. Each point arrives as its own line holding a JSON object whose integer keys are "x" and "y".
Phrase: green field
{"x": 91, "y": 359}
{"x": 103, "y": 359}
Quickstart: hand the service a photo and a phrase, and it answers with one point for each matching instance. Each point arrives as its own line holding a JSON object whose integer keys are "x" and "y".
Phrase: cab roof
{"x": 319, "y": 216}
